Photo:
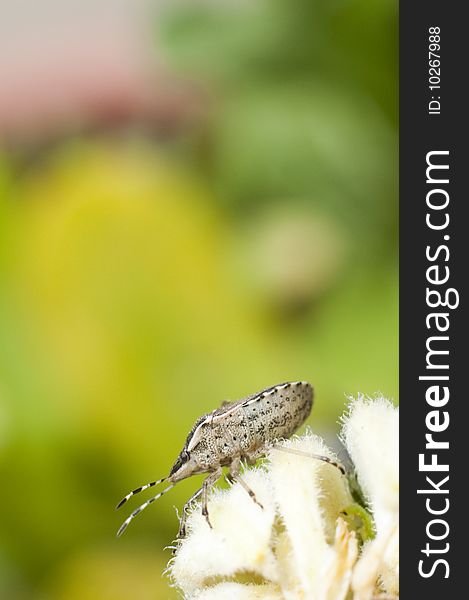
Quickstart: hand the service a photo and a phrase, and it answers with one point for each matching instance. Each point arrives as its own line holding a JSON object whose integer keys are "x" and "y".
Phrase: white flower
{"x": 306, "y": 541}
{"x": 371, "y": 435}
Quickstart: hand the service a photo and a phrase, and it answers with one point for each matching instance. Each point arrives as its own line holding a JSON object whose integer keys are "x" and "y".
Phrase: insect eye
{"x": 185, "y": 456}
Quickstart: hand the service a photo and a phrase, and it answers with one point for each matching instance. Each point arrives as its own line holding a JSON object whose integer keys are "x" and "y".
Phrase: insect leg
{"x": 235, "y": 476}
{"x": 211, "y": 480}
{"x": 125, "y": 524}
{"x": 310, "y": 455}
{"x": 138, "y": 490}
{"x": 182, "y": 523}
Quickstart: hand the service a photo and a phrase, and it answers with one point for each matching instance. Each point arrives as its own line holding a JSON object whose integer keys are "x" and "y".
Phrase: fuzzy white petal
{"x": 337, "y": 574}
{"x": 239, "y": 540}
{"x": 310, "y": 495}
{"x": 371, "y": 435}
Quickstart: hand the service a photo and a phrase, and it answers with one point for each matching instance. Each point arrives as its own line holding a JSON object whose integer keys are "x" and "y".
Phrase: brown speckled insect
{"x": 237, "y": 431}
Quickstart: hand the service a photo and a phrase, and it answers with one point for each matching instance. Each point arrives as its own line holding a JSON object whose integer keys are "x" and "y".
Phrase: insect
{"x": 238, "y": 431}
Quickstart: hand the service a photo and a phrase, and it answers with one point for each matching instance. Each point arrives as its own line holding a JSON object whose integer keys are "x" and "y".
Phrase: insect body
{"x": 237, "y": 431}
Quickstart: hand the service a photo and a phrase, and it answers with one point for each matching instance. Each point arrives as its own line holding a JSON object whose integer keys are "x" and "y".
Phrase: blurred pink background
{"x": 69, "y": 64}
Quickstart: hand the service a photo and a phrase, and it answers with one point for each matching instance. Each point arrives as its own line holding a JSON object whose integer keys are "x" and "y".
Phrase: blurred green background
{"x": 197, "y": 200}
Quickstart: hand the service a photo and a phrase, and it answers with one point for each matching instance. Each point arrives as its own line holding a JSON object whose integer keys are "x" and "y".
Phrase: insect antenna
{"x": 138, "y": 490}
{"x": 138, "y": 510}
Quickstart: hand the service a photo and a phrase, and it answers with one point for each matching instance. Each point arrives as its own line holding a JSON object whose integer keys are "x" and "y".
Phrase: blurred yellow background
{"x": 197, "y": 200}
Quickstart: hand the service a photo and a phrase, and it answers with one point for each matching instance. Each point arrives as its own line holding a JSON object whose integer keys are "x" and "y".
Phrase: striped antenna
{"x": 138, "y": 490}
{"x": 126, "y": 523}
